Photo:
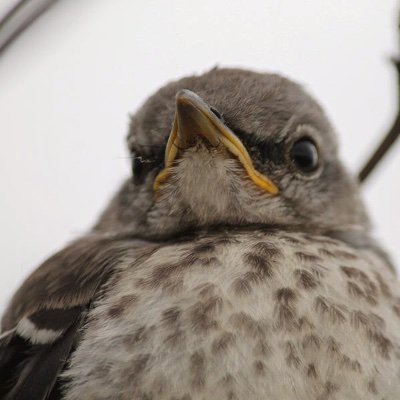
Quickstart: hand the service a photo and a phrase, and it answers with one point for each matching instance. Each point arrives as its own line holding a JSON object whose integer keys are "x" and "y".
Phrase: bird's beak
{"x": 194, "y": 117}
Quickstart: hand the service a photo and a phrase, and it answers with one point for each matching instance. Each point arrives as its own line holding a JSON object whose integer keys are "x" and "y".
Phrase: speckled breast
{"x": 244, "y": 316}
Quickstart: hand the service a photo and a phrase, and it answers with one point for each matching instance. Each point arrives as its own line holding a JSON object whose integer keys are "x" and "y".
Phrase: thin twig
{"x": 391, "y": 136}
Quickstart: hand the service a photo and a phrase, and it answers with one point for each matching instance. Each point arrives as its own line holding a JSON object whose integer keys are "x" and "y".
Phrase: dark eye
{"x": 304, "y": 154}
{"x": 137, "y": 164}
{"x": 140, "y": 168}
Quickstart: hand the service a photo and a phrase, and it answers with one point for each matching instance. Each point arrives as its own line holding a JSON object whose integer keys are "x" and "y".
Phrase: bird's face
{"x": 233, "y": 148}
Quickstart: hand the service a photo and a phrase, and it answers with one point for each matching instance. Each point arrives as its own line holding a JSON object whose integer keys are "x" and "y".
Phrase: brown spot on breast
{"x": 321, "y": 305}
{"x": 371, "y": 300}
{"x": 201, "y": 315}
{"x": 140, "y": 336}
{"x": 222, "y": 343}
{"x": 201, "y": 254}
{"x": 284, "y": 310}
{"x": 213, "y": 305}
{"x": 166, "y": 276}
{"x": 175, "y": 339}
{"x": 173, "y": 285}
{"x": 171, "y": 315}
{"x": 285, "y": 317}
{"x": 307, "y": 257}
{"x": 189, "y": 259}
{"x": 292, "y": 239}
{"x": 348, "y": 363}
{"x": 226, "y": 240}
{"x": 136, "y": 368}
{"x": 396, "y": 309}
{"x": 368, "y": 288}
{"x": 359, "y": 319}
{"x": 266, "y": 250}
{"x": 354, "y": 290}
{"x": 318, "y": 271}
{"x": 311, "y": 341}
{"x": 371, "y": 321}
{"x": 198, "y": 370}
{"x": 203, "y": 248}
{"x": 329, "y": 389}
{"x": 164, "y": 272}
{"x": 232, "y": 396}
{"x": 206, "y": 290}
{"x": 332, "y": 346}
{"x": 121, "y": 305}
{"x": 326, "y": 253}
{"x": 382, "y": 343}
{"x": 376, "y": 321}
{"x": 305, "y": 324}
{"x": 259, "y": 263}
{"x": 209, "y": 261}
{"x": 184, "y": 397}
{"x": 243, "y": 284}
{"x": 311, "y": 371}
{"x": 292, "y": 359}
{"x": 249, "y": 326}
{"x": 335, "y": 312}
{"x": 351, "y": 272}
{"x": 285, "y": 296}
{"x": 203, "y": 261}
{"x": 346, "y": 255}
{"x": 305, "y": 279}
{"x": 384, "y": 287}
{"x": 372, "y": 387}
{"x": 259, "y": 368}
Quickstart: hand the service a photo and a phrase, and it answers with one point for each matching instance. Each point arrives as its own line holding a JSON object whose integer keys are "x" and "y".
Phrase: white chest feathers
{"x": 265, "y": 316}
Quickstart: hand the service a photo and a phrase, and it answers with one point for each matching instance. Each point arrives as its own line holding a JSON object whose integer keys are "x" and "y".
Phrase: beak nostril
{"x": 216, "y": 112}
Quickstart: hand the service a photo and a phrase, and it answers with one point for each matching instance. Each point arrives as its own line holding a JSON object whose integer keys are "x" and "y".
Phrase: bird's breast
{"x": 243, "y": 316}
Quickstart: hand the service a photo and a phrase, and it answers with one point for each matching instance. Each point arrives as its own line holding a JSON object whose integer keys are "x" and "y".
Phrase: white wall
{"x": 6, "y": 6}
{"x": 68, "y": 84}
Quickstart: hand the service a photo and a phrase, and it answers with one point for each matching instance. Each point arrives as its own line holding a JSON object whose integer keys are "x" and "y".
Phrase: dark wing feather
{"x": 32, "y": 372}
{"x": 46, "y": 312}
{"x": 6, "y": 348}
{"x": 68, "y": 278}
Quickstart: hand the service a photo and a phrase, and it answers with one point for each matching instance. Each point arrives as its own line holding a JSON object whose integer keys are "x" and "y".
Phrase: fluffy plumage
{"x": 212, "y": 287}
{"x": 247, "y": 314}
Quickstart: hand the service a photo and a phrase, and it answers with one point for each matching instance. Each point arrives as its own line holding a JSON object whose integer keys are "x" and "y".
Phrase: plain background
{"x": 68, "y": 84}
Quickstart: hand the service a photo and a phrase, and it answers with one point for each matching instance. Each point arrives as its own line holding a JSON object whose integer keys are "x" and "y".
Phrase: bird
{"x": 237, "y": 261}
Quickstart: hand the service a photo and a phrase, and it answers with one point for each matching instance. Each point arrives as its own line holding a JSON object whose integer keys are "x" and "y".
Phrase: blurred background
{"x": 70, "y": 80}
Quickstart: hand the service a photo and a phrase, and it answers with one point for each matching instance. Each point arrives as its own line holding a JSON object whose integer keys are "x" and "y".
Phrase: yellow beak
{"x": 194, "y": 117}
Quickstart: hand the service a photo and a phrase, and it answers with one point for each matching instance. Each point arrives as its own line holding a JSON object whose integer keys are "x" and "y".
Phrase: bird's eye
{"x": 304, "y": 155}
{"x": 140, "y": 168}
{"x": 137, "y": 164}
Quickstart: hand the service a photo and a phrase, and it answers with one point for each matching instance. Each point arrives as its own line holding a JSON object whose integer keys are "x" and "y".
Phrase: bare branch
{"x": 391, "y": 136}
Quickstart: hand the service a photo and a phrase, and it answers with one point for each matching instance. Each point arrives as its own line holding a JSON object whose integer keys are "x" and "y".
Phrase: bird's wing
{"x": 41, "y": 325}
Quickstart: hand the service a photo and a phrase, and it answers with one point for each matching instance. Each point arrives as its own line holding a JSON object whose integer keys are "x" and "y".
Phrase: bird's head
{"x": 233, "y": 148}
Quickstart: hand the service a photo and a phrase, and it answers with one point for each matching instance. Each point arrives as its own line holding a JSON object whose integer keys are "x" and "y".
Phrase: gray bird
{"x": 235, "y": 263}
